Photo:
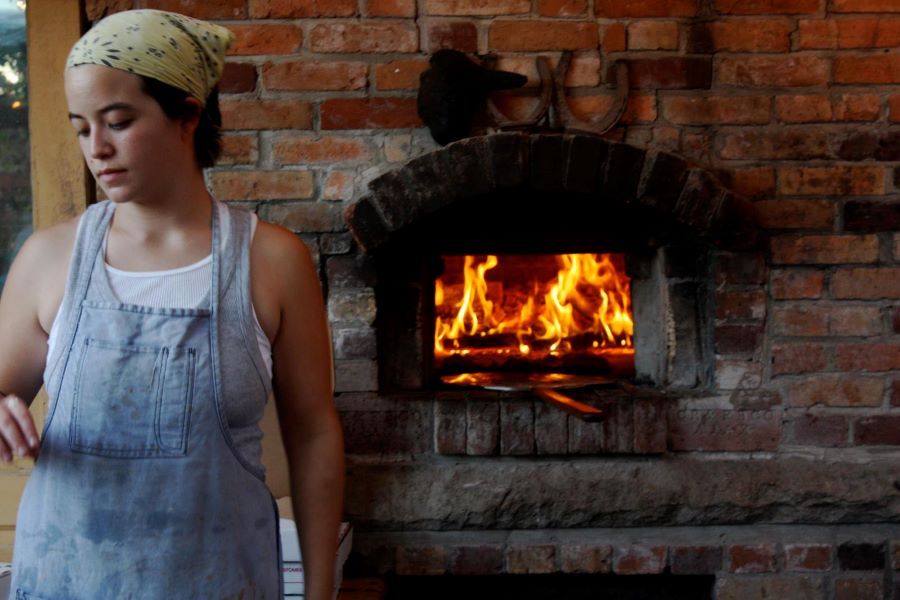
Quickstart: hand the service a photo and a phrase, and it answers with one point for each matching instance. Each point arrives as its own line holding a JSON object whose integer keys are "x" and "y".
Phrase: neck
{"x": 181, "y": 207}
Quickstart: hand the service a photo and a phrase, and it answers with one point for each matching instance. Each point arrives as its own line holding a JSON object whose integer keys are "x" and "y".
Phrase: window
{"x": 15, "y": 184}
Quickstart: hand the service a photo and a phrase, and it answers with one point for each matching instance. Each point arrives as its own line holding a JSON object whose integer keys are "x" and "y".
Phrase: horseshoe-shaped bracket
{"x": 553, "y": 96}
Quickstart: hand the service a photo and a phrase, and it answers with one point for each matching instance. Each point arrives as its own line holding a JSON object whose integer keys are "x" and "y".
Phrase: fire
{"x": 529, "y": 312}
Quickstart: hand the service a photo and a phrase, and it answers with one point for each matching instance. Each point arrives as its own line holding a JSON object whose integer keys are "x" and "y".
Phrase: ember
{"x": 533, "y": 312}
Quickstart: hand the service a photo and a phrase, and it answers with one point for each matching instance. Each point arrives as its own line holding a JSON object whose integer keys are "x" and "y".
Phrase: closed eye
{"x": 120, "y": 124}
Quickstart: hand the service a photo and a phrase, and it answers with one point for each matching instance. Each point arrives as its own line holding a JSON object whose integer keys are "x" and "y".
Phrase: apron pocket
{"x": 132, "y": 401}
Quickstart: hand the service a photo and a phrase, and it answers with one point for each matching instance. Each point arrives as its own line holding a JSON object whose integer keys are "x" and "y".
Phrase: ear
{"x": 191, "y": 118}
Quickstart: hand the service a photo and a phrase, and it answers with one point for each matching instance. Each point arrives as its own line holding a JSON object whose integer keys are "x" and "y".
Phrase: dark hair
{"x": 208, "y": 135}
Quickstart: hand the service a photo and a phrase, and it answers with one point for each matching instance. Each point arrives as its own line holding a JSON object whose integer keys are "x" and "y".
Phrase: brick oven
{"x": 685, "y": 474}
{"x": 749, "y": 195}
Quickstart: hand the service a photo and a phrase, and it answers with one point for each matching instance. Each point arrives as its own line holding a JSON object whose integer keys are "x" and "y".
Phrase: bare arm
{"x": 310, "y": 427}
{"x": 32, "y": 291}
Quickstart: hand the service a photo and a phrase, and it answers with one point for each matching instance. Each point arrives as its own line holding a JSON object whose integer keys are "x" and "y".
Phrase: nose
{"x": 100, "y": 146}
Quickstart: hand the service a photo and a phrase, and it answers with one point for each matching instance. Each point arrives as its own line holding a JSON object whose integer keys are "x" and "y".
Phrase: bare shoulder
{"x": 40, "y": 269}
{"x": 274, "y": 241}
{"x": 283, "y": 275}
{"x": 281, "y": 254}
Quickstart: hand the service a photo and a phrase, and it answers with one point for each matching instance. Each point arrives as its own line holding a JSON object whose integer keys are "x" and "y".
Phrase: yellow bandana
{"x": 185, "y": 53}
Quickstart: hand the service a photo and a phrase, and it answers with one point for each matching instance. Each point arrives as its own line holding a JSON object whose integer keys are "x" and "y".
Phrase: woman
{"x": 164, "y": 312}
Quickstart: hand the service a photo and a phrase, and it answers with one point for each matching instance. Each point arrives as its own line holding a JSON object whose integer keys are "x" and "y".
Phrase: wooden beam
{"x": 59, "y": 182}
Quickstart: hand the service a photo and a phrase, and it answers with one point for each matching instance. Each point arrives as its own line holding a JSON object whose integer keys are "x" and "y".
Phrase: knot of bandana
{"x": 183, "y": 52}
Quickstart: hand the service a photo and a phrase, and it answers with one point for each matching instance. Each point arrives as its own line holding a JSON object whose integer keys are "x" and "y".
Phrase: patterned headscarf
{"x": 185, "y": 53}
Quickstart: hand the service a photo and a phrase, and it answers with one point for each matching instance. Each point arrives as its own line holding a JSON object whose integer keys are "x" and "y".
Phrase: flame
{"x": 587, "y": 304}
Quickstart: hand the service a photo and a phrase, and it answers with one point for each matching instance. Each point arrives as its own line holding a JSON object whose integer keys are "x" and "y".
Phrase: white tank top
{"x": 184, "y": 287}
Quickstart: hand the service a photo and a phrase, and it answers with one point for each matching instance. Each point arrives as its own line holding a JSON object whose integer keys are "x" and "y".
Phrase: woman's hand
{"x": 18, "y": 434}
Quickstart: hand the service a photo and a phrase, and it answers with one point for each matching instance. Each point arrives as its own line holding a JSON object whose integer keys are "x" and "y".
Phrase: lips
{"x": 109, "y": 176}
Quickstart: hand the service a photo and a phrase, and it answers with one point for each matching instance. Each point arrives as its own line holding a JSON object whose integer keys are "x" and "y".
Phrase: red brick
{"x": 265, "y": 39}
{"x": 857, "y": 107}
{"x": 266, "y": 114}
{"x": 201, "y": 9}
{"x": 880, "y": 68}
{"x": 645, "y": 8}
{"x": 824, "y": 249}
{"x": 801, "y": 321}
{"x": 869, "y": 32}
{"x": 238, "y": 78}
{"x": 585, "y": 558}
{"x": 806, "y": 108}
{"x": 857, "y": 588}
{"x": 399, "y": 74}
{"x": 562, "y": 8}
{"x": 738, "y": 339}
{"x": 796, "y": 285}
{"x": 653, "y": 35}
{"x": 486, "y": 559}
{"x": 777, "y": 71}
{"x": 807, "y": 557}
{"x": 868, "y": 357}
{"x": 638, "y": 108}
{"x": 741, "y": 304}
{"x": 894, "y": 104}
{"x": 364, "y": 36}
{"x": 753, "y": 181}
{"x": 755, "y": 558}
{"x": 338, "y": 185}
{"x": 831, "y": 181}
{"x": 823, "y": 431}
{"x": 312, "y": 75}
{"x": 835, "y": 390}
{"x": 639, "y": 560}
{"x": 714, "y": 110}
{"x": 670, "y": 73}
{"x": 421, "y": 560}
{"x": 795, "y": 214}
{"x": 724, "y": 430}
{"x": 531, "y": 559}
{"x": 370, "y": 113}
{"x": 746, "y": 35}
{"x": 614, "y": 38}
{"x": 877, "y": 430}
{"x": 798, "y": 358}
{"x": 261, "y": 185}
{"x": 895, "y": 396}
{"x": 866, "y": 284}
{"x": 484, "y": 8}
{"x": 239, "y": 150}
{"x": 97, "y": 9}
{"x": 542, "y": 35}
{"x": 767, "y": 7}
{"x": 776, "y": 143}
{"x": 457, "y": 36}
{"x": 301, "y": 149}
{"x": 854, "y": 320}
{"x": 865, "y": 6}
{"x": 817, "y": 34}
{"x": 287, "y": 9}
{"x": 696, "y": 560}
{"x": 390, "y": 8}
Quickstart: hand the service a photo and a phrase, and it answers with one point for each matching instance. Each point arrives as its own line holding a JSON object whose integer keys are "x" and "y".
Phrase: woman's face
{"x": 131, "y": 147}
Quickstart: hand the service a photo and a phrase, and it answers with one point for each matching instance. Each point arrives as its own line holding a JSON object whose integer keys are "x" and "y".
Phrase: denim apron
{"x": 139, "y": 491}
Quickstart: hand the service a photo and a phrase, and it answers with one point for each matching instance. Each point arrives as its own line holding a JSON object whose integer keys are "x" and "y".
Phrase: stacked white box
{"x": 292, "y": 560}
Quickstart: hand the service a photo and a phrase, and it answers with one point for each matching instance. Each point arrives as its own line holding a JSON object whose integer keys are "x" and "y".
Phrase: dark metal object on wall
{"x": 452, "y": 91}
